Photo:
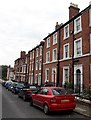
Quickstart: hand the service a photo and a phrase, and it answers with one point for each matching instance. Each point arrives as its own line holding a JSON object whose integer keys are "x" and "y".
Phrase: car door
{"x": 35, "y": 96}
{"x": 41, "y": 97}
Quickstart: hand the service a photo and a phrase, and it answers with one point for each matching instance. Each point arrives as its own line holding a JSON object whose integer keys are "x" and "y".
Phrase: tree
{"x": 4, "y": 72}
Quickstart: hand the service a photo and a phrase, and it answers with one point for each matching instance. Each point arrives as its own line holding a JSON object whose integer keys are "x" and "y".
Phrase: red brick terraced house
{"x": 50, "y": 57}
{"x": 75, "y": 48}
{"x": 66, "y": 53}
{"x": 31, "y": 66}
{"x": 20, "y": 67}
{"x": 68, "y": 60}
{"x": 26, "y": 67}
{"x": 35, "y": 63}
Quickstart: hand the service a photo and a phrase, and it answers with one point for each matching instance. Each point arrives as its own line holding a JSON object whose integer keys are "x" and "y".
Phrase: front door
{"x": 78, "y": 80}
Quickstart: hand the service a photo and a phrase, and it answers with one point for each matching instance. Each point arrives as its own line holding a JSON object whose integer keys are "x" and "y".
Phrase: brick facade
{"x": 20, "y": 67}
{"x": 35, "y": 64}
{"x": 66, "y": 53}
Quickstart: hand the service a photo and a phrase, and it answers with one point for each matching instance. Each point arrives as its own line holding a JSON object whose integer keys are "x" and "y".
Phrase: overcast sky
{"x": 24, "y": 23}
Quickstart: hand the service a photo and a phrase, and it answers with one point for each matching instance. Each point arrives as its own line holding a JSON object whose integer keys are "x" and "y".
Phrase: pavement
{"x": 83, "y": 107}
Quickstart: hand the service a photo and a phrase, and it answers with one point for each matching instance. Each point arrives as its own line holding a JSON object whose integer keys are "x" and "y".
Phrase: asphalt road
{"x": 14, "y": 107}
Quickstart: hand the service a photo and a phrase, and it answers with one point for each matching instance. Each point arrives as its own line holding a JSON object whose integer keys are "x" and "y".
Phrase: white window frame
{"x": 30, "y": 55}
{"x": 33, "y": 54}
{"x": 36, "y": 52}
{"x": 36, "y": 64}
{"x": 67, "y": 26}
{"x": 29, "y": 79}
{"x": 41, "y": 50}
{"x": 27, "y": 68}
{"x": 90, "y": 43}
{"x": 46, "y": 76}
{"x": 64, "y": 56}
{"x": 39, "y": 79}
{"x": 90, "y": 72}
{"x": 55, "y": 38}
{"x": 75, "y": 25}
{"x": 21, "y": 69}
{"x": 90, "y": 17}
{"x": 32, "y": 66}
{"x": 26, "y": 60}
{"x": 54, "y": 59}
{"x": 48, "y": 42}
{"x": 54, "y": 69}
{"x": 40, "y": 63}
{"x": 47, "y": 56}
{"x": 36, "y": 79}
{"x": 66, "y": 67}
{"x": 32, "y": 78}
{"x": 24, "y": 68}
{"x": 75, "y": 50}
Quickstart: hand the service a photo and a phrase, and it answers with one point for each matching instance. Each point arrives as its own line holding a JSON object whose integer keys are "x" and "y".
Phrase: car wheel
{"x": 70, "y": 111}
{"x": 46, "y": 109}
{"x": 24, "y": 97}
{"x": 31, "y": 102}
{"x": 14, "y": 92}
{"x": 18, "y": 95}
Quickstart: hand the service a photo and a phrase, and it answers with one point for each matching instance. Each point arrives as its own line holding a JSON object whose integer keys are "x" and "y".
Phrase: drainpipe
{"x": 58, "y": 58}
{"x": 28, "y": 65}
{"x": 73, "y": 57}
{"x": 42, "y": 65}
{"x": 26, "y": 72}
{"x": 34, "y": 68}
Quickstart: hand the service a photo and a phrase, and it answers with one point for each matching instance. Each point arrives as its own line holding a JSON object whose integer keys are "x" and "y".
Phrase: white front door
{"x": 78, "y": 78}
{"x": 54, "y": 75}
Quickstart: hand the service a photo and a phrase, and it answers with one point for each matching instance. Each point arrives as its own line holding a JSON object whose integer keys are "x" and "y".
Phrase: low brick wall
{"x": 83, "y": 106}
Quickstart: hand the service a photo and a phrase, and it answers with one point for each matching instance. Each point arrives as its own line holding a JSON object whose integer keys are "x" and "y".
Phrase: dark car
{"x": 26, "y": 92}
{"x": 14, "y": 85}
{"x": 17, "y": 88}
{"x": 48, "y": 84}
{"x": 3, "y": 83}
{"x": 8, "y": 84}
{"x": 10, "y": 88}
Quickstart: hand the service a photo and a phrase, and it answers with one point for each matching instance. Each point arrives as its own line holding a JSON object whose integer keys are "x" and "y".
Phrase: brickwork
{"x": 69, "y": 38}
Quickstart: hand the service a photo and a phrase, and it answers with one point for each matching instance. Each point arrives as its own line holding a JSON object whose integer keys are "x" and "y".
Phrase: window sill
{"x": 65, "y": 38}
{"x": 76, "y": 32}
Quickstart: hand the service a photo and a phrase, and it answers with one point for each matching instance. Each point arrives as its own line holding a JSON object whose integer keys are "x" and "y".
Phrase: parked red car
{"x": 53, "y": 99}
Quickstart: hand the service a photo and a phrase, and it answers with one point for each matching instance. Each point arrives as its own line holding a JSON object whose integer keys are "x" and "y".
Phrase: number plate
{"x": 64, "y": 100}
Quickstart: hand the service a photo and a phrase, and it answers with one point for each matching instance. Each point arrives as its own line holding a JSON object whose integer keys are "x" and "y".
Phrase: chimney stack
{"x": 57, "y": 26}
{"x": 73, "y": 10}
{"x": 22, "y": 54}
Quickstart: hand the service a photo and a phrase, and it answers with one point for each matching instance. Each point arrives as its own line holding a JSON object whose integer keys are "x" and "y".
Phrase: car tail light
{"x": 53, "y": 101}
{"x": 29, "y": 91}
{"x": 75, "y": 100}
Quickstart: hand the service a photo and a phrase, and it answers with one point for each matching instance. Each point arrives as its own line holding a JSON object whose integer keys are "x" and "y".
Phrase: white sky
{"x": 24, "y": 23}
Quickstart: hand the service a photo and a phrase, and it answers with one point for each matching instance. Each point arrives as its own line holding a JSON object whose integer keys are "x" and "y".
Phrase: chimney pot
{"x": 56, "y": 23}
{"x": 57, "y": 26}
{"x": 61, "y": 24}
{"x": 74, "y": 5}
{"x": 73, "y": 10}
